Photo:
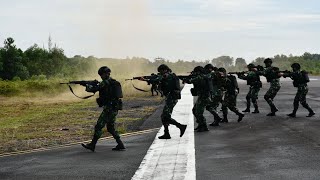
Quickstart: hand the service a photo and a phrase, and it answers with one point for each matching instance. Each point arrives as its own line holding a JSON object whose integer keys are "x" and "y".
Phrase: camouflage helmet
{"x": 209, "y": 66}
{"x": 250, "y": 65}
{"x": 163, "y": 67}
{"x": 268, "y": 60}
{"x": 104, "y": 69}
{"x": 222, "y": 70}
{"x": 296, "y": 65}
{"x": 198, "y": 69}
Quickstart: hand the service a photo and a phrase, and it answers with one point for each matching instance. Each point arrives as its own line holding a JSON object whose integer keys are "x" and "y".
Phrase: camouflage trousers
{"x": 198, "y": 110}
{"x": 107, "y": 117}
{"x": 167, "y": 112}
{"x": 214, "y": 103}
{"x": 230, "y": 102}
{"x": 271, "y": 93}
{"x": 253, "y": 96}
{"x": 301, "y": 97}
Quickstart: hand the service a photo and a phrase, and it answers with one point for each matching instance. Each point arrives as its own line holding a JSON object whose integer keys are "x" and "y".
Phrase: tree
{"x": 223, "y": 61}
{"x": 240, "y": 63}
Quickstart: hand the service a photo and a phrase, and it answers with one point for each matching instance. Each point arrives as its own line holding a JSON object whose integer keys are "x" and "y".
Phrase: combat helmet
{"x": 104, "y": 69}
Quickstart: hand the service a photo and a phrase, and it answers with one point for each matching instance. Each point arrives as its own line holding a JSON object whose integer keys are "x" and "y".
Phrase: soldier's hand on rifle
{"x": 142, "y": 79}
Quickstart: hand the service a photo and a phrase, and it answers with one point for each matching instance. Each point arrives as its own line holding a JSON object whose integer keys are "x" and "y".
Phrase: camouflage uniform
{"x": 271, "y": 74}
{"x": 111, "y": 103}
{"x": 300, "y": 80}
{"x": 154, "y": 84}
{"x": 253, "y": 80}
{"x": 230, "y": 98}
{"x": 202, "y": 90}
{"x": 171, "y": 90}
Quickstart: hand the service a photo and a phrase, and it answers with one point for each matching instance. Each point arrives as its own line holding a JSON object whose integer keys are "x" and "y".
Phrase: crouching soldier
{"x": 110, "y": 94}
{"x": 170, "y": 86}
{"x": 300, "y": 80}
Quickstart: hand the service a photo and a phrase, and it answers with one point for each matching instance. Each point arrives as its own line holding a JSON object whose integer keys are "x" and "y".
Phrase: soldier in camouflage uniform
{"x": 300, "y": 80}
{"x": 216, "y": 94}
{"x": 230, "y": 96}
{"x": 253, "y": 80}
{"x": 154, "y": 85}
{"x": 109, "y": 98}
{"x": 272, "y": 76}
{"x": 202, "y": 88}
{"x": 170, "y": 86}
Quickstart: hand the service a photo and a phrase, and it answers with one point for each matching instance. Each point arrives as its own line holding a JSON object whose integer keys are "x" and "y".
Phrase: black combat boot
{"x": 256, "y": 109}
{"x": 248, "y": 107}
{"x": 224, "y": 120}
{"x": 203, "y": 128}
{"x": 120, "y": 146}
{"x": 293, "y": 114}
{"x": 311, "y": 113}
{"x": 166, "y": 134}
{"x": 274, "y": 109}
{"x": 215, "y": 123}
{"x": 182, "y": 128}
{"x": 240, "y": 116}
{"x": 197, "y": 127}
{"x": 92, "y": 145}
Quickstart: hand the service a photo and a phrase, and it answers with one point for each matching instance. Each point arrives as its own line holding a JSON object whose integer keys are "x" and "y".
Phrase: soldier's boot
{"x": 203, "y": 128}
{"x": 256, "y": 109}
{"x": 240, "y": 116}
{"x": 295, "y": 109}
{"x": 166, "y": 134}
{"x": 248, "y": 108}
{"x": 120, "y": 146}
{"x": 274, "y": 109}
{"x": 311, "y": 112}
{"x": 197, "y": 127}
{"x": 225, "y": 118}
{"x": 215, "y": 122}
{"x": 92, "y": 145}
{"x": 182, "y": 128}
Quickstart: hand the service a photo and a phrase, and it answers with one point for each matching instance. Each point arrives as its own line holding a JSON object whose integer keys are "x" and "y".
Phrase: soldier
{"x": 272, "y": 76}
{"x": 216, "y": 94}
{"x": 110, "y": 93}
{"x": 300, "y": 80}
{"x": 154, "y": 84}
{"x": 170, "y": 87}
{"x": 202, "y": 88}
{"x": 230, "y": 95}
{"x": 253, "y": 80}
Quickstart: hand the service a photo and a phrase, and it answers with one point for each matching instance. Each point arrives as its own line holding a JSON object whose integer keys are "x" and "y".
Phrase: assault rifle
{"x": 139, "y": 77}
{"x": 93, "y": 83}
{"x": 83, "y": 83}
{"x": 242, "y": 72}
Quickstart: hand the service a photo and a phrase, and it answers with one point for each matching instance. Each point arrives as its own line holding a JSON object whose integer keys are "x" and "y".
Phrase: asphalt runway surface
{"x": 259, "y": 147}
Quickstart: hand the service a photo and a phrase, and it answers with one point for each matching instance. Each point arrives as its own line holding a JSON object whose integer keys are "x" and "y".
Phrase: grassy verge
{"x": 28, "y": 123}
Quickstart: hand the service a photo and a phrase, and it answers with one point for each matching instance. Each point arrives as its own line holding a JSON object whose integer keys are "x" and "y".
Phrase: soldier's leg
{"x": 201, "y": 103}
{"x": 152, "y": 89}
{"x": 269, "y": 96}
{"x": 295, "y": 104}
{"x": 303, "y": 101}
{"x": 254, "y": 98}
{"x": 232, "y": 105}
{"x": 248, "y": 97}
{"x": 111, "y": 119}
{"x": 97, "y": 131}
{"x": 212, "y": 110}
{"x": 225, "y": 112}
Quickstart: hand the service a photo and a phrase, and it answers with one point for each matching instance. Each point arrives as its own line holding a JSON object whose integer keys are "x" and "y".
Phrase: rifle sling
{"x": 86, "y": 97}
{"x": 138, "y": 88}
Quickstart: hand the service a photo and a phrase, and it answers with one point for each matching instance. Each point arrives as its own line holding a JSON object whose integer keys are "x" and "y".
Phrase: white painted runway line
{"x": 173, "y": 158}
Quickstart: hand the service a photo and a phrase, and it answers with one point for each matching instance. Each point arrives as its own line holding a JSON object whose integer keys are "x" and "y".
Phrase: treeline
{"x": 35, "y": 62}
{"x": 16, "y": 64}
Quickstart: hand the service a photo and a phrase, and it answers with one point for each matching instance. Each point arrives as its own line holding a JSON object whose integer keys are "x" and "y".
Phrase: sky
{"x": 172, "y": 29}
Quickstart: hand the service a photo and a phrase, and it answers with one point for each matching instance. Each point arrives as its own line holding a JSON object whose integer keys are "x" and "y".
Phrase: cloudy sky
{"x": 173, "y": 29}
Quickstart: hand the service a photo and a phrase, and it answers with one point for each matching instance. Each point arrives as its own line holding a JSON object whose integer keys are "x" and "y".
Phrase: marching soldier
{"x": 300, "y": 80}
{"x": 110, "y": 94}
{"x": 253, "y": 80}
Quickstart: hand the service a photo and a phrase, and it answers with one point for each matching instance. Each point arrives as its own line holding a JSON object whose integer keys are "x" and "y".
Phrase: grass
{"x": 27, "y": 123}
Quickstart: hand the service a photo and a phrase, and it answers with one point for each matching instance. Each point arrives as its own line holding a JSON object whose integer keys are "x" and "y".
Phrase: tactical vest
{"x": 110, "y": 93}
{"x": 271, "y": 73}
{"x": 170, "y": 86}
{"x": 232, "y": 84}
{"x": 300, "y": 78}
{"x": 253, "y": 79}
